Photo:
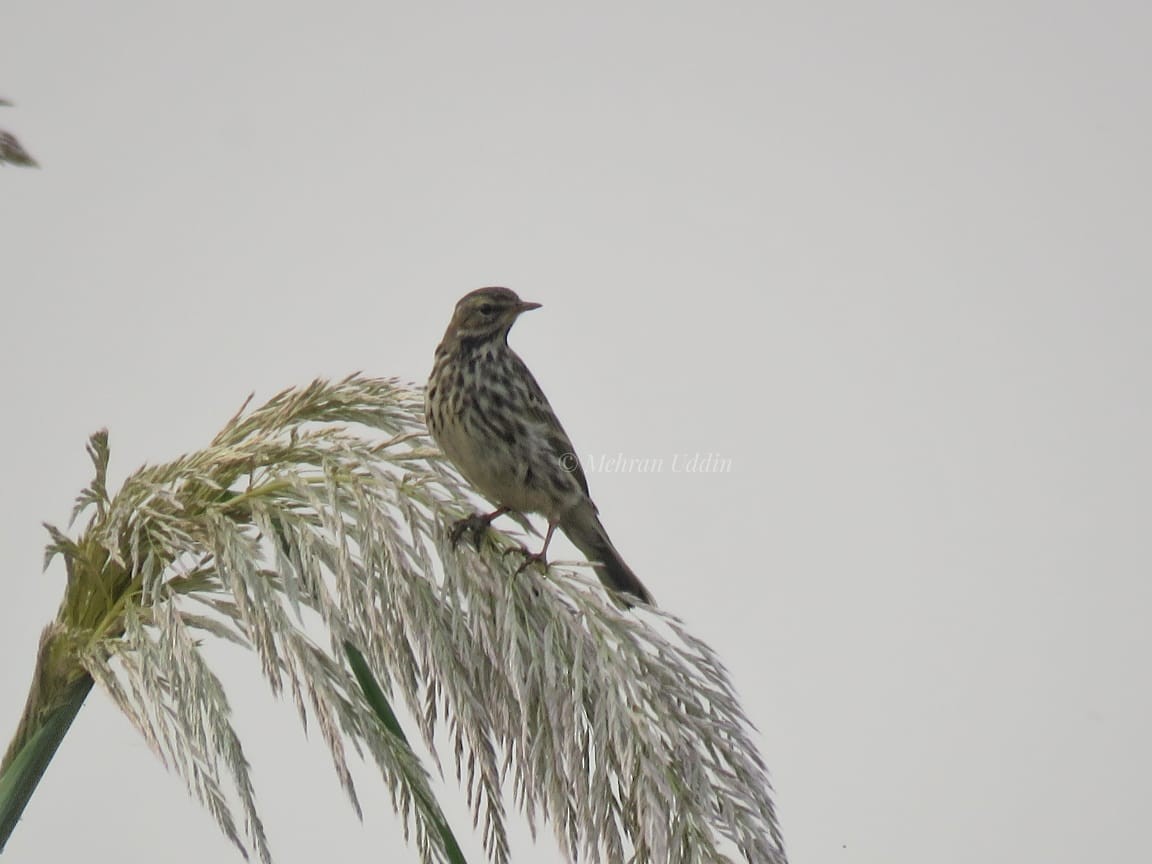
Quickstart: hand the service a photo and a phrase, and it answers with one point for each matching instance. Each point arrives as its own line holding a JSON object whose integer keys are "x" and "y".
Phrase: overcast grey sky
{"x": 891, "y": 259}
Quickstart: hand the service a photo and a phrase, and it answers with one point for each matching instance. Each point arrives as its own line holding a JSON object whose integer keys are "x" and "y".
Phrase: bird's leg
{"x": 475, "y": 525}
{"x": 538, "y": 557}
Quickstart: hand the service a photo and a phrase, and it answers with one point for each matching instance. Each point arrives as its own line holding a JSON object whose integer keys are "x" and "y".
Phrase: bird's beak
{"x": 528, "y": 307}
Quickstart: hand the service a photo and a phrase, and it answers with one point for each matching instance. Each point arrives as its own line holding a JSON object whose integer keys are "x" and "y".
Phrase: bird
{"x": 488, "y": 415}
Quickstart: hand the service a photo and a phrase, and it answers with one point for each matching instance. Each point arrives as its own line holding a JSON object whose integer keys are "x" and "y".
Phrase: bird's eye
{"x": 487, "y": 309}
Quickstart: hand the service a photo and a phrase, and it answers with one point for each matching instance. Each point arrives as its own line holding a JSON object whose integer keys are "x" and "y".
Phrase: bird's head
{"x": 486, "y": 313}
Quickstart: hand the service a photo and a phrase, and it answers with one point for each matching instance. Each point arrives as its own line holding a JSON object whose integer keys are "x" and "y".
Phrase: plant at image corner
{"x": 12, "y": 151}
{"x": 329, "y": 503}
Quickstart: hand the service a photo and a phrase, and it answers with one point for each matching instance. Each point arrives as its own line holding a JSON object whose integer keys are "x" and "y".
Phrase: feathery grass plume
{"x": 11, "y": 150}
{"x": 328, "y": 503}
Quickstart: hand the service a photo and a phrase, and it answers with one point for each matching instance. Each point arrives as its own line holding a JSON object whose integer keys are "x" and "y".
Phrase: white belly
{"x": 504, "y": 474}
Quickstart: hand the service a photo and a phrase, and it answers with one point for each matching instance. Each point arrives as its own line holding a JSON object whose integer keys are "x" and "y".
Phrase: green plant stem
{"x": 383, "y": 710}
{"x": 24, "y": 767}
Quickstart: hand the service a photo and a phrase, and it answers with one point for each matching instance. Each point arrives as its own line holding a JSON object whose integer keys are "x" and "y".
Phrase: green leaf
{"x": 383, "y": 709}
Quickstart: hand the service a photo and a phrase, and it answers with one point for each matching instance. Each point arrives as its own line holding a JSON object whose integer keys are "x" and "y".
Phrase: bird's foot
{"x": 474, "y": 526}
{"x": 530, "y": 558}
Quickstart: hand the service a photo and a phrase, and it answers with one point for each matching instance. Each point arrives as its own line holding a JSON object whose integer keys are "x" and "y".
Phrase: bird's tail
{"x": 586, "y": 532}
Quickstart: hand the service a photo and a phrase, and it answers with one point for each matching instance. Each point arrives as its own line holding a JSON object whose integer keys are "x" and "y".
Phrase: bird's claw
{"x": 474, "y": 525}
{"x": 530, "y": 558}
